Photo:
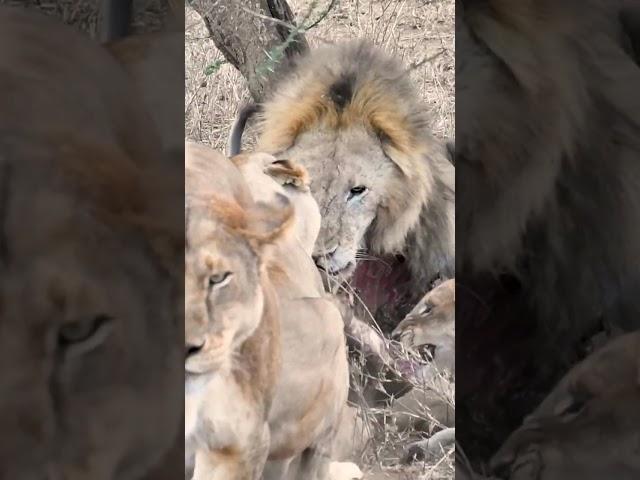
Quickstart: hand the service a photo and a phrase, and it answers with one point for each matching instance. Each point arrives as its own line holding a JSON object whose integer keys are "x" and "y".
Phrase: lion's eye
{"x": 84, "y": 335}
{"x": 357, "y": 191}
{"x": 572, "y": 405}
{"x": 425, "y": 309}
{"x": 218, "y": 280}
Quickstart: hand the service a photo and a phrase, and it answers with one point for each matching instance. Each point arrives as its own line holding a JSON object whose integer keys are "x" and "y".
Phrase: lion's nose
{"x": 192, "y": 349}
{"x": 319, "y": 257}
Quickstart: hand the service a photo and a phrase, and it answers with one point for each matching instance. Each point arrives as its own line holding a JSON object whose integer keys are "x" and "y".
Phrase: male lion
{"x": 547, "y": 146}
{"x": 350, "y": 115}
{"x": 91, "y": 351}
{"x": 146, "y": 57}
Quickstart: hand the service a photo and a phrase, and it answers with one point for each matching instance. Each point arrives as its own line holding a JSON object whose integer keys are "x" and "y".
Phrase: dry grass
{"x": 421, "y": 33}
{"x": 382, "y": 459}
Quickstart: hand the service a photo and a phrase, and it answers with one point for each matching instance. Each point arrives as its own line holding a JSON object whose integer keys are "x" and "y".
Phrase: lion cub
{"x": 311, "y": 393}
{"x": 232, "y": 347}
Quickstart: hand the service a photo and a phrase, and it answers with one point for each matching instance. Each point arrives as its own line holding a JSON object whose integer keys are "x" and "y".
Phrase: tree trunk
{"x": 244, "y": 38}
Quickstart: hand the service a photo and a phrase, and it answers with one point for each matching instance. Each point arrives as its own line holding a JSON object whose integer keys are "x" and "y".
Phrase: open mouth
{"x": 335, "y": 278}
{"x": 344, "y": 272}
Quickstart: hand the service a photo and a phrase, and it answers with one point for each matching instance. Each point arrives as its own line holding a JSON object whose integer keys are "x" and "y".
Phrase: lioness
{"x": 91, "y": 350}
{"x": 587, "y": 428}
{"x": 432, "y": 323}
{"x": 305, "y": 396}
{"x": 268, "y": 178}
{"x": 312, "y": 392}
{"x": 231, "y": 320}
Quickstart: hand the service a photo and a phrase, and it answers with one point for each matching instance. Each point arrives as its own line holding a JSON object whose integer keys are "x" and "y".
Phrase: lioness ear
{"x": 288, "y": 172}
{"x": 630, "y": 19}
{"x": 269, "y": 223}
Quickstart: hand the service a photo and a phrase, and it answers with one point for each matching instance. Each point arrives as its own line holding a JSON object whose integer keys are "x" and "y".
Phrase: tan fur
{"x": 286, "y": 172}
{"x": 353, "y": 435}
{"x": 237, "y": 339}
{"x": 147, "y": 57}
{"x": 268, "y": 179}
{"x": 541, "y": 173}
{"x": 370, "y": 105}
{"x": 372, "y": 132}
{"x": 423, "y": 409}
{"x": 586, "y": 428}
{"x": 432, "y": 322}
{"x": 79, "y": 225}
{"x": 309, "y": 392}
{"x": 312, "y": 391}
{"x": 549, "y": 197}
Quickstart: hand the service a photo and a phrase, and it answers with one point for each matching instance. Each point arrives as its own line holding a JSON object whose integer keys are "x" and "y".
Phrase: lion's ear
{"x": 630, "y": 19}
{"x": 269, "y": 223}
{"x": 288, "y": 172}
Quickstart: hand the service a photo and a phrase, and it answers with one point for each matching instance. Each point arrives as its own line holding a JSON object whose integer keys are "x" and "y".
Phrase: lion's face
{"x": 224, "y": 301}
{"x": 432, "y": 320}
{"x": 587, "y": 426}
{"x": 86, "y": 342}
{"x": 350, "y": 175}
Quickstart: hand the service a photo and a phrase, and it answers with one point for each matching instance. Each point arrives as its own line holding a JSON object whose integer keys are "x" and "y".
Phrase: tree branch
{"x": 255, "y": 36}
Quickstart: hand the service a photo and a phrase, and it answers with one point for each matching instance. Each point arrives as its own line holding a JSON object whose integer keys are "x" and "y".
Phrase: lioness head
{"x": 587, "y": 427}
{"x": 227, "y": 239}
{"x": 432, "y": 320}
{"x": 268, "y": 178}
{"x": 350, "y": 115}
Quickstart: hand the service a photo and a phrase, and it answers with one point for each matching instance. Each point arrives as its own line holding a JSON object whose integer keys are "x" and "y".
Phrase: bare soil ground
{"x": 421, "y": 34}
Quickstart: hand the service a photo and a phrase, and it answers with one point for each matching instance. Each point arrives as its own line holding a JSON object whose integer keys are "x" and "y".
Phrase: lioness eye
{"x": 356, "y": 191}
{"x": 219, "y": 279}
{"x": 84, "y": 334}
